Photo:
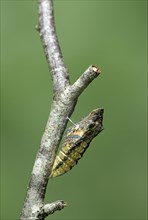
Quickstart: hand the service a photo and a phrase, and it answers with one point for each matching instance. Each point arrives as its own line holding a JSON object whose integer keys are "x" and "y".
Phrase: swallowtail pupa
{"x": 76, "y": 140}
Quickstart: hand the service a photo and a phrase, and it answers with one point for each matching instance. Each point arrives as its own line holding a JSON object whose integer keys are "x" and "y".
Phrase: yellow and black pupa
{"x": 76, "y": 140}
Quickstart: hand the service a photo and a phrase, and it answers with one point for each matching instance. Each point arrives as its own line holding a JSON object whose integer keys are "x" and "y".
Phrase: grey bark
{"x": 64, "y": 100}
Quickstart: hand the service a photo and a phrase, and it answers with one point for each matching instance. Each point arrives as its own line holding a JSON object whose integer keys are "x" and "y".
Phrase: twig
{"x": 64, "y": 100}
{"x": 90, "y": 74}
{"x": 49, "y": 209}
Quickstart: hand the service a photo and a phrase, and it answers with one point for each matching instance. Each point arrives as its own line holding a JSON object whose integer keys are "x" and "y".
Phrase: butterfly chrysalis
{"x": 76, "y": 140}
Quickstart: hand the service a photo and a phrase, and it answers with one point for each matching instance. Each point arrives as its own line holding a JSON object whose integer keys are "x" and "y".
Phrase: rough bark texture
{"x": 64, "y": 100}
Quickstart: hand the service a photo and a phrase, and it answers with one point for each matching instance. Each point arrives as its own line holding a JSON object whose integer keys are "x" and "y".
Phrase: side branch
{"x": 51, "y": 46}
{"x": 85, "y": 79}
{"x": 50, "y": 208}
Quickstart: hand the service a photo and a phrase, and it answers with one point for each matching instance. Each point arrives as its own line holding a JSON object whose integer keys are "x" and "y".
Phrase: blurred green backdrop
{"x": 110, "y": 180}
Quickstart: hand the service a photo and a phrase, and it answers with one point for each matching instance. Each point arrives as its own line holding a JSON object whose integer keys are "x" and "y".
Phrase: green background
{"x": 110, "y": 180}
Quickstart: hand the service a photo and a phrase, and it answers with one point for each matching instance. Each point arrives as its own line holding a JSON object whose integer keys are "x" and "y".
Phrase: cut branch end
{"x": 96, "y": 69}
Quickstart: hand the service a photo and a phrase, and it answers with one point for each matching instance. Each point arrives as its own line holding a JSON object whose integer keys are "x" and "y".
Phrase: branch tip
{"x": 85, "y": 79}
{"x": 96, "y": 69}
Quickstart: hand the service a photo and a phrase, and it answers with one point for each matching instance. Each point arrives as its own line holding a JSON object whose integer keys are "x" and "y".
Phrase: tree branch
{"x": 49, "y": 209}
{"x": 86, "y": 78}
{"x": 64, "y": 100}
{"x": 51, "y": 45}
